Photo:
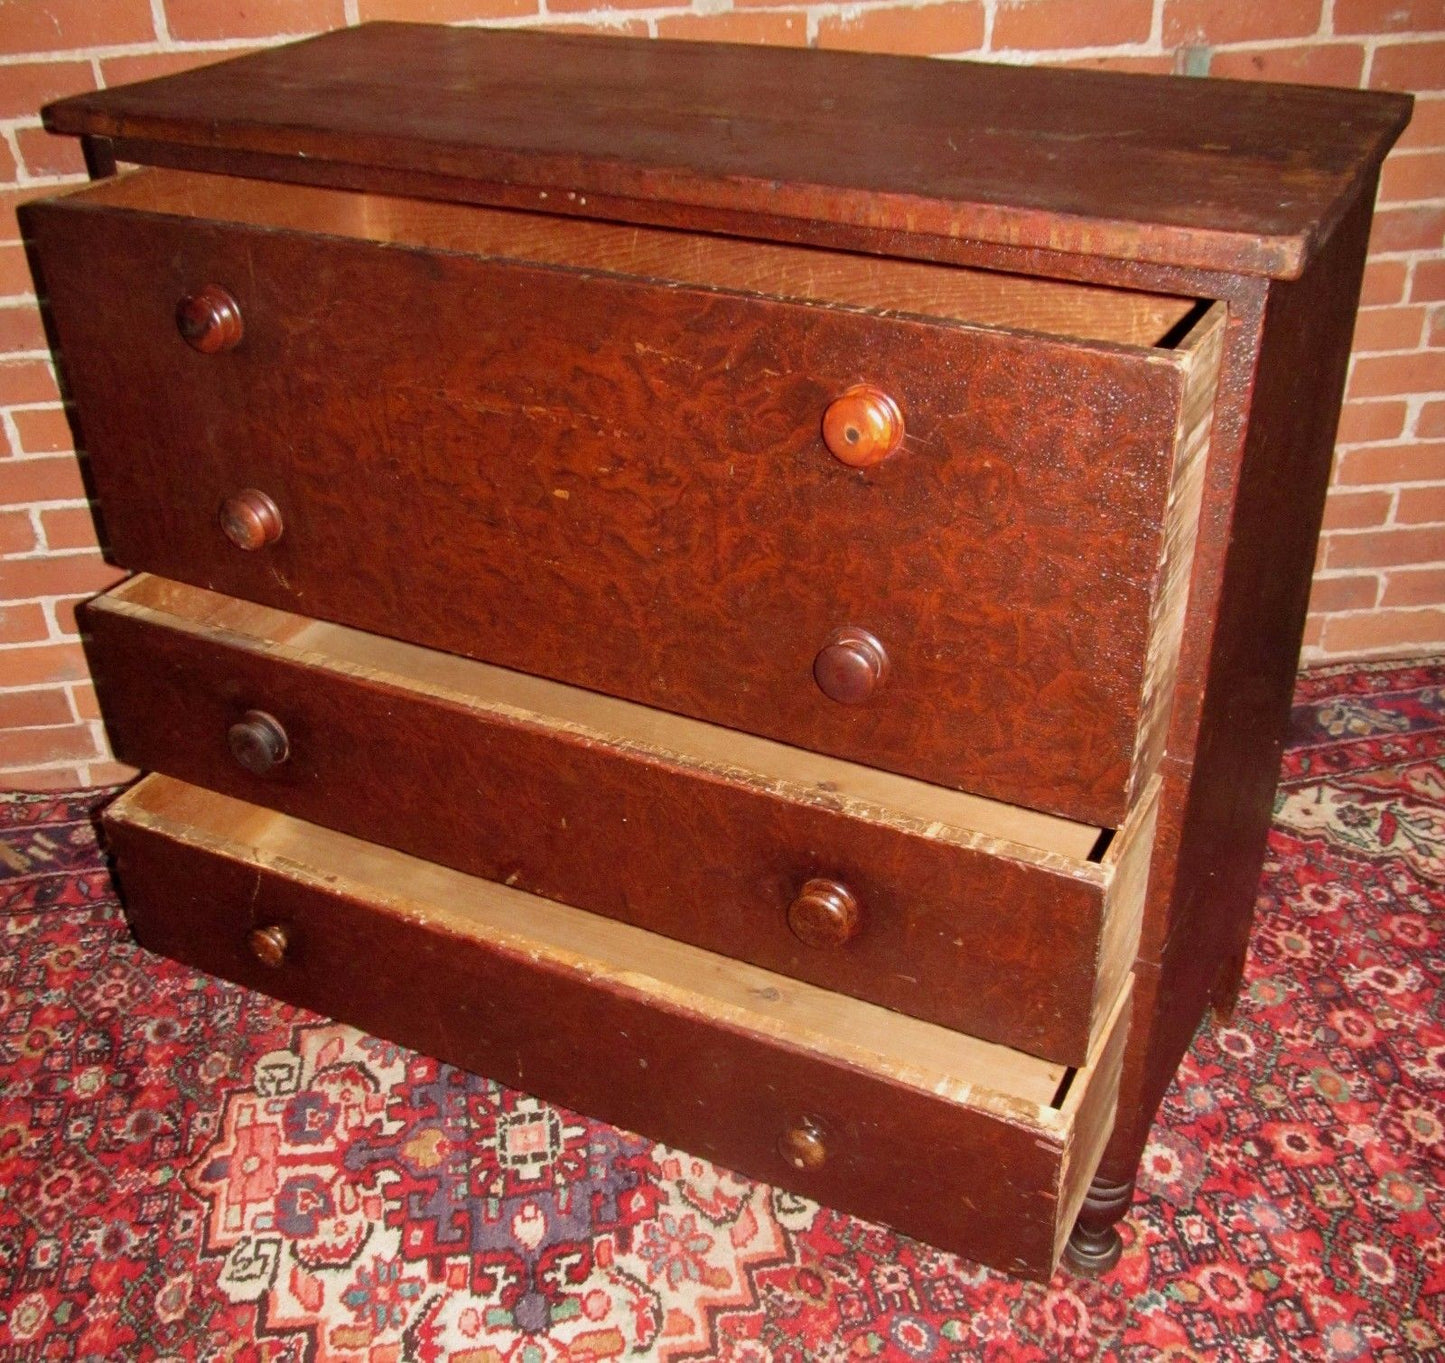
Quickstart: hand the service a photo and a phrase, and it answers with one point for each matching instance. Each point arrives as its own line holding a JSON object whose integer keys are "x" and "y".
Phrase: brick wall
{"x": 1380, "y": 587}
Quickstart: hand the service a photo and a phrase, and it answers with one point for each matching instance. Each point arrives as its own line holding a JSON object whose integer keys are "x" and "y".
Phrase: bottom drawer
{"x": 968, "y": 1145}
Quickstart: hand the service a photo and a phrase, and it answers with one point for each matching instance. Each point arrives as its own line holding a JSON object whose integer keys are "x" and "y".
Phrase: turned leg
{"x": 1095, "y": 1246}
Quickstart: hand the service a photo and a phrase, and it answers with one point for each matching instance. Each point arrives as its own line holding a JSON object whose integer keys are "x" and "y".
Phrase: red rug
{"x": 191, "y": 1171}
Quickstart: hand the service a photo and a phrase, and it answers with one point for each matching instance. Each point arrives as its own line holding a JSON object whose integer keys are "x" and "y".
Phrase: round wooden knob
{"x": 863, "y": 426}
{"x": 268, "y": 945}
{"x": 210, "y": 320}
{"x": 850, "y": 667}
{"x": 803, "y": 1146}
{"x": 825, "y": 914}
{"x": 251, "y": 520}
{"x": 258, "y": 742}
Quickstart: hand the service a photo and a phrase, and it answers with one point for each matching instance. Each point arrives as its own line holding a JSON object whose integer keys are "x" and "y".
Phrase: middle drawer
{"x": 1005, "y": 923}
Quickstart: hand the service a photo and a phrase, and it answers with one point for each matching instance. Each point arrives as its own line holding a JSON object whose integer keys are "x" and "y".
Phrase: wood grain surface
{"x": 625, "y": 486}
{"x": 959, "y": 923}
{"x": 1218, "y": 175}
{"x": 968, "y": 1146}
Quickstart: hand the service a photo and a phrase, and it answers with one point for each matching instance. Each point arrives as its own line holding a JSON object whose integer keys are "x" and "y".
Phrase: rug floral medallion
{"x": 189, "y": 1171}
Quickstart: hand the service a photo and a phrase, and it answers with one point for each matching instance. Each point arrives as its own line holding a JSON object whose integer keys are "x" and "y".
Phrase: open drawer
{"x": 1009, "y": 924}
{"x": 969, "y": 1146}
{"x": 619, "y": 457}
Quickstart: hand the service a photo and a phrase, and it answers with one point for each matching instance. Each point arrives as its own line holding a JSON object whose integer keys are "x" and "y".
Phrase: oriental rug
{"x": 192, "y": 1171}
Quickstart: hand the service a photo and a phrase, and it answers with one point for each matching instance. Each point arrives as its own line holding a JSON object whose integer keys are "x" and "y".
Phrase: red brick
{"x": 621, "y": 28}
{"x": 1430, "y": 422}
{"x": 14, "y": 271}
{"x": 1389, "y": 328}
{"x": 953, "y": 27}
{"x": 148, "y": 65}
{"x": 30, "y": 85}
{"x": 1412, "y": 176}
{"x": 1408, "y": 229}
{"x": 82, "y": 697}
{"x": 32, "y": 709}
{"x": 42, "y": 663}
{"x": 1427, "y": 285}
{"x": 23, "y": 623}
{"x": 52, "y": 478}
{"x": 43, "y": 778}
{"x": 1148, "y": 65}
{"x": 71, "y": 25}
{"x": 1070, "y": 23}
{"x": 1385, "y": 632}
{"x": 1216, "y": 22}
{"x": 44, "y": 430}
{"x": 1356, "y": 510}
{"x": 1409, "y": 66}
{"x": 1389, "y": 16}
{"x": 26, "y": 381}
{"x": 775, "y": 27}
{"x": 1435, "y": 333}
{"x": 1362, "y": 422}
{"x": 452, "y": 11}
{"x": 1384, "y": 548}
{"x": 1307, "y": 64}
{"x": 68, "y": 527}
{"x": 56, "y": 575}
{"x": 1421, "y": 505}
{"x": 21, "y": 328}
{"x": 1427, "y": 125}
{"x": 1414, "y": 587}
{"x": 9, "y": 171}
{"x": 110, "y": 773}
{"x": 1344, "y": 593}
{"x": 46, "y": 154}
{"x": 1314, "y": 630}
{"x": 1374, "y": 376}
{"x": 17, "y": 533}
{"x": 204, "y": 20}
{"x": 34, "y": 747}
{"x": 1386, "y": 464}
{"x": 1384, "y": 283}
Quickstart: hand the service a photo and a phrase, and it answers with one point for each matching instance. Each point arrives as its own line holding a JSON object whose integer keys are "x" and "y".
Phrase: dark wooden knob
{"x": 210, "y": 320}
{"x": 802, "y": 1145}
{"x": 268, "y": 945}
{"x": 258, "y": 742}
{"x": 251, "y": 520}
{"x": 863, "y": 426}
{"x": 825, "y": 914}
{"x": 850, "y": 667}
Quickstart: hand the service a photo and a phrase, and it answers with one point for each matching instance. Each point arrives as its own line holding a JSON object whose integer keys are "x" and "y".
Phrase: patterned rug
{"x": 191, "y": 1171}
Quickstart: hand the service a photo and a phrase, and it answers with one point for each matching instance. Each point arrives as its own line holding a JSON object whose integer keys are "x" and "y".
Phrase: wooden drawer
{"x": 1015, "y": 926}
{"x": 597, "y": 454}
{"x": 970, "y": 1146}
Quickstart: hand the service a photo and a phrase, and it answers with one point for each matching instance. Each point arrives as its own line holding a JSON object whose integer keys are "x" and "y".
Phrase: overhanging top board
{"x": 1222, "y": 175}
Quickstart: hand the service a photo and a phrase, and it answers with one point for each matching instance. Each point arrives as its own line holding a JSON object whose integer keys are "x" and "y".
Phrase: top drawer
{"x": 600, "y": 454}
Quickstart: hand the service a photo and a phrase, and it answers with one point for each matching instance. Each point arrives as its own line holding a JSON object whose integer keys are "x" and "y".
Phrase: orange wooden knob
{"x": 251, "y": 520}
{"x": 863, "y": 426}
{"x": 851, "y": 666}
{"x": 268, "y": 945}
{"x": 803, "y": 1146}
{"x": 210, "y": 320}
{"x": 258, "y": 742}
{"x": 825, "y": 914}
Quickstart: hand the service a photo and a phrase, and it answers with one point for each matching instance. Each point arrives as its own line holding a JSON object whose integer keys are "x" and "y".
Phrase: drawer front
{"x": 626, "y": 486}
{"x": 753, "y": 859}
{"x": 962, "y": 1144}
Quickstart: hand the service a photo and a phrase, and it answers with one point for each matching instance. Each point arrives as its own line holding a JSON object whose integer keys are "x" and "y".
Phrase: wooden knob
{"x": 210, "y": 320}
{"x": 863, "y": 426}
{"x": 803, "y": 1146}
{"x": 851, "y": 666}
{"x": 825, "y": 914}
{"x": 258, "y": 742}
{"x": 251, "y": 520}
{"x": 268, "y": 945}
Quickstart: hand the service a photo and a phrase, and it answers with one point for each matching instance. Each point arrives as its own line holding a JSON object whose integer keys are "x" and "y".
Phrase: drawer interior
{"x": 808, "y": 274}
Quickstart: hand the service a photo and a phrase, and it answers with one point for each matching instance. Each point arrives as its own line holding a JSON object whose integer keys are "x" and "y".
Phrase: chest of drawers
{"x": 753, "y": 594}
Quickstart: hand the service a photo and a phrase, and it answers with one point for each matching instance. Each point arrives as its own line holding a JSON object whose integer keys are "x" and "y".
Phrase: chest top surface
{"x": 1233, "y": 176}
